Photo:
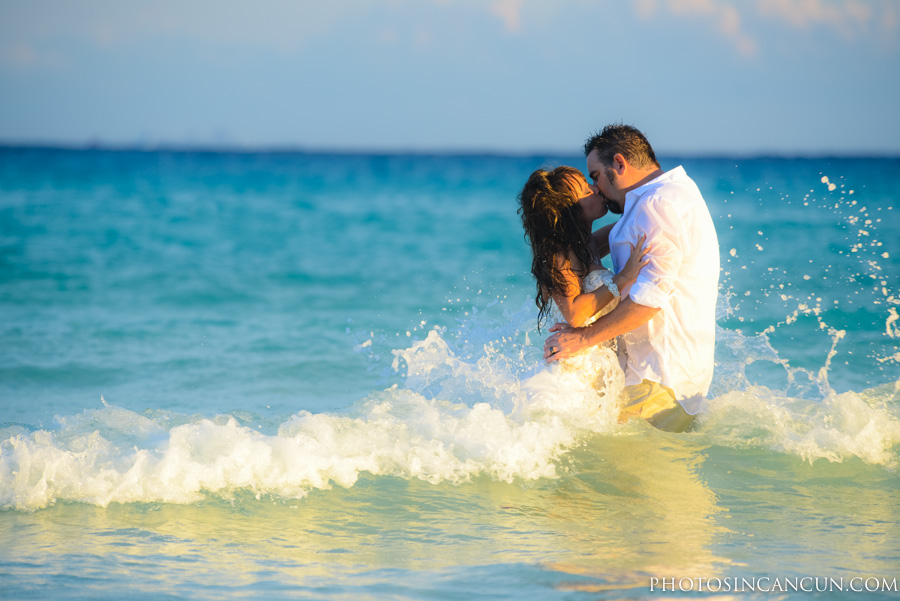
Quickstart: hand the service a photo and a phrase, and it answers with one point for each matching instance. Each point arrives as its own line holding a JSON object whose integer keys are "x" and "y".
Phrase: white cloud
{"x": 850, "y": 18}
{"x": 646, "y": 9}
{"x": 726, "y": 19}
{"x": 510, "y": 12}
{"x": 802, "y": 13}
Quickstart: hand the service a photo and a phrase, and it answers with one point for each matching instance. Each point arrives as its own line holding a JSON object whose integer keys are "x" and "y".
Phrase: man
{"x": 666, "y": 319}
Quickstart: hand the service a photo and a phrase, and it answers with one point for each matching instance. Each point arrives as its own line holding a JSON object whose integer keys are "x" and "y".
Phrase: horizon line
{"x": 225, "y": 148}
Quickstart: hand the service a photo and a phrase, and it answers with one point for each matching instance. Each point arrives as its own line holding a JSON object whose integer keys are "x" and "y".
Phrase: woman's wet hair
{"x": 554, "y": 227}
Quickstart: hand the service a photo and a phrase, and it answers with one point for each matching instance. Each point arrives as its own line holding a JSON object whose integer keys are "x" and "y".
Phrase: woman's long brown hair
{"x": 554, "y": 226}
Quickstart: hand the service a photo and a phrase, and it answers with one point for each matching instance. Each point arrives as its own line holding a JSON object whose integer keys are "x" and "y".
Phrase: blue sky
{"x": 698, "y": 76}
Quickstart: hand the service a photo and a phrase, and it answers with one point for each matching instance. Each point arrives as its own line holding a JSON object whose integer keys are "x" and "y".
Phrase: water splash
{"x": 846, "y": 285}
{"x": 475, "y": 401}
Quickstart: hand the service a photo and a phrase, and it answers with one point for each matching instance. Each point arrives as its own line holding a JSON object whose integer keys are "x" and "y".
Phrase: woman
{"x": 558, "y": 209}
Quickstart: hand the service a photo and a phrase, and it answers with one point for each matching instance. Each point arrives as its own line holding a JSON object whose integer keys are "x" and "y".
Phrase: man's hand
{"x": 566, "y": 342}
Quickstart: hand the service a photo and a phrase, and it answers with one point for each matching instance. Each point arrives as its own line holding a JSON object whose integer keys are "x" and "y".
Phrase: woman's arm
{"x": 576, "y": 306}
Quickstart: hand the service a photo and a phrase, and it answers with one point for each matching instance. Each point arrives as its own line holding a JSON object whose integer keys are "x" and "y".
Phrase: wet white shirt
{"x": 676, "y": 347}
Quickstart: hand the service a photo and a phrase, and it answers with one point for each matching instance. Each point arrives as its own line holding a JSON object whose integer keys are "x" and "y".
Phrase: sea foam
{"x": 451, "y": 420}
{"x": 474, "y": 402}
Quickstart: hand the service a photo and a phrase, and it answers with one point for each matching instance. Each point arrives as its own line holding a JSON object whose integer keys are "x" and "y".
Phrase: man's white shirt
{"x": 676, "y": 348}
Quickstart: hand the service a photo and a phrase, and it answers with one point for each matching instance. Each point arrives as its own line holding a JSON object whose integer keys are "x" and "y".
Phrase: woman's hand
{"x": 635, "y": 262}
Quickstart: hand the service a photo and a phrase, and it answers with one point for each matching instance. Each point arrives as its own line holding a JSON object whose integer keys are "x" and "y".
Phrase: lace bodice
{"x": 591, "y": 282}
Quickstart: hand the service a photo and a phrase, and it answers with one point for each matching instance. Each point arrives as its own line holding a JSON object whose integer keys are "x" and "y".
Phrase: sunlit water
{"x": 321, "y": 378}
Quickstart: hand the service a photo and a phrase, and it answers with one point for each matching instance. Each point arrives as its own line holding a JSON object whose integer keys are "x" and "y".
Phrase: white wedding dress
{"x": 592, "y": 380}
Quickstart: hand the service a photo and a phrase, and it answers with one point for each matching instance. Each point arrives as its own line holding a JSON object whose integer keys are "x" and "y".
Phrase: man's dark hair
{"x": 626, "y": 140}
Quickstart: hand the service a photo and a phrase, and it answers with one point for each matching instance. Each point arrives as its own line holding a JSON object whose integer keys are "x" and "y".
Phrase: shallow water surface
{"x": 311, "y": 376}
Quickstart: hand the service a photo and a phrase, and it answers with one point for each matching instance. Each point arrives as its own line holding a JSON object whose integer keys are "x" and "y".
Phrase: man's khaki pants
{"x": 656, "y": 404}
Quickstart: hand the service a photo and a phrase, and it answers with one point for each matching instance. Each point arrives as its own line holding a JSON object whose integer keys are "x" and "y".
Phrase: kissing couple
{"x": 655, "y": 308}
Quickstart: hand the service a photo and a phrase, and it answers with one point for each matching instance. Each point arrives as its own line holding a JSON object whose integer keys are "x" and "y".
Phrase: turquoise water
{"x": 303, "y": 376}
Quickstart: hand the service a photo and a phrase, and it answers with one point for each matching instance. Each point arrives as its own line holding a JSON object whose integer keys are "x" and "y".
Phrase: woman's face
{"x": 593, "y": 204}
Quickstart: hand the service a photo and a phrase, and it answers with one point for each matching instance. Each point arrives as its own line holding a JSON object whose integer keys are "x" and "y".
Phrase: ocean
{"x": 286, "y": 375}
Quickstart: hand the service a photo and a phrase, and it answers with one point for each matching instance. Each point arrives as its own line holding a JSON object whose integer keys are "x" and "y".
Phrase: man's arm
{"x": 568, "y": 341}
{"x": 578, "y": 309}
{"x": 661, "y": 223}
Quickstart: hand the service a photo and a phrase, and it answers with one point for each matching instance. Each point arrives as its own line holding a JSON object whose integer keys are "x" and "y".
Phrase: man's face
{"x": 604, "y": 180}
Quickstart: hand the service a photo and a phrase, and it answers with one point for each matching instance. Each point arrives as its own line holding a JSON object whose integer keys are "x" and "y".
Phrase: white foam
{"x": 477, "y": 401}
{"x": 450, "y": 421}
{"x": 398, "y": 433}
{"x": 837, "y": 428}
